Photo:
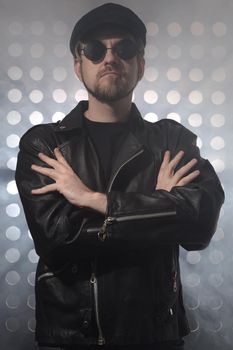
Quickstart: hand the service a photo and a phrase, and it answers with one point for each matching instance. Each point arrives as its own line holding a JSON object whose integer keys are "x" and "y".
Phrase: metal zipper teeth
{"x": 122, "y": 165}
{"x": 47, "y": 274}
{"x": 93, "y": 280}
{"x": 141, "y": 216}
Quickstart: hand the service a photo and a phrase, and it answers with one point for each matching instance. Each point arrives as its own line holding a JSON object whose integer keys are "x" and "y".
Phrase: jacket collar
{"x": 74, "y": 120}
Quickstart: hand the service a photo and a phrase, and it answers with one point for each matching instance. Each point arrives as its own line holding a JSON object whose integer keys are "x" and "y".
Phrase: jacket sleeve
{"x": 54, "y": 223}
{"x": 186, "y": 215}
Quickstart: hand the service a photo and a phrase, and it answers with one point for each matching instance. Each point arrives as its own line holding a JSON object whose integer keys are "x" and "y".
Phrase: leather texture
{"x": 137, "y": 297}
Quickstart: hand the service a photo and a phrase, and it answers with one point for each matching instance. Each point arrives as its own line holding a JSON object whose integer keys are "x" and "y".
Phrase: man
{"x": 109, "y": 198}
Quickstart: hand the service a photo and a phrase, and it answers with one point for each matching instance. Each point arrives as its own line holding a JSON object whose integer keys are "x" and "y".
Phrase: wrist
{"x": 96, "y": 201}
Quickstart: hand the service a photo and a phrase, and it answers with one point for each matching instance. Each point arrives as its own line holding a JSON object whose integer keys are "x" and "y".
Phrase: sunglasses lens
{"x": 126, "y": 49}
{"x": 94, "y": 50}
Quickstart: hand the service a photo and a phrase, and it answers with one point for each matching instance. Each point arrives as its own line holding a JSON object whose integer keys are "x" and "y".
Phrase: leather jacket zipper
{"x": 174, "y": 278}
{"x": 122, "y": 165}
{"x": 102, "y": 234}
{"x": 94, "y": 283}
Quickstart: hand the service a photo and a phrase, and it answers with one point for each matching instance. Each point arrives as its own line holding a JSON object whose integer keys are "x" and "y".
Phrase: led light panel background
{"x": 188, "y": 77}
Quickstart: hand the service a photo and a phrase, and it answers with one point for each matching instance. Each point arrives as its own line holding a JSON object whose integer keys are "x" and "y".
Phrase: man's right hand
{"x": 169, "y": 178}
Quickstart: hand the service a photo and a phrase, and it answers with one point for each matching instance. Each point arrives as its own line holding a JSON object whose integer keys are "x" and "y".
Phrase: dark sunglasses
{"x": 95, "y": 50}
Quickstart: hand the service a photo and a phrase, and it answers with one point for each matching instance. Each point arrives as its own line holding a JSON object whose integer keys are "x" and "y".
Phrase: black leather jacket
{"x": 115, "y": 278}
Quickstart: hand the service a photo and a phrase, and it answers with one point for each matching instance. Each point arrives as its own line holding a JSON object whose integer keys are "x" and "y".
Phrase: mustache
{"x": 109, "y": 69}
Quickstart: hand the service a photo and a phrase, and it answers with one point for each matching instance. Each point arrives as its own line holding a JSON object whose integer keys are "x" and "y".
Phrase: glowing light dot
{"x": 174, "y": 29}
{"x": 12, "y": 324}
{"x": 152, "y": 28}
{"x": 174, "y": 116}
{"x": 14, "y": 95}
{"x": 11, "y": 187}
{"x": 59, "y": 74}
{"x": 31, "y": 279}
{"x": 151, "y": 74}
{"x": 31, "y": 301}
{"x": 196, "y": 75}
{"x": 36, "y": 73}
{"x": 12, "y": 301}
{"x": 216, "y": 257}
{"x": 57, "y": 116}
{"x": 217, "y": 143}
{"x": 33, "y": 257}
{"x": 150, "y": 96}
{"x": 217, "y": 120}
{"x": 151, "y": 117}
{"x": 36, "y": 96}
{"x": 219, "y": 29}
{"x": 13, "y": 210}
{"x": 195, "y": 120}
{"x": 12, "y": 255}
{"x": 195, "y": 97}
{"x": 80, "y": 95}
{"x": 32, "y": 325}
{"x": 219, "y": 165}
{"x": 13, "y": 233}
{"x": 12, "y": 141}
{"x": 13, "y": 117}
{"x": 11, "y": 164}
{"x": 12, "y": 278}
{"x": 36, "y": 118}
{"x": 215, "y": 279}
{"x": 193, "y": 280}
{"x": 173, "y": 97}
{"x": 197, "y": 28}
{"x": 15, "y": 73}
{"x": 193, "y": 257}
{"x": 174, "y": 74}
{"x": 218, "y": 97}
{"x": 59, "y": 95}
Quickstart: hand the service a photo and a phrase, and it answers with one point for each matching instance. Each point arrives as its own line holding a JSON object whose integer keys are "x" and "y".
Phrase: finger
{"x": 175, "y": 161}
{"x": 44, "y": 171}
{"x": 166, "y": 159}
{"x": 185, "y": 169}
{"x": 60, "y": 157}
{"x": 48, "y": 160}
{"x": 189, "y": 178}
{"x": 45, "y": 189}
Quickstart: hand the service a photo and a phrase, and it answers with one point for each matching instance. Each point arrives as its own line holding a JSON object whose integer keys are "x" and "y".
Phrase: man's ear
{"x": 77, "y": 68}
{"x": 141, "y": 68}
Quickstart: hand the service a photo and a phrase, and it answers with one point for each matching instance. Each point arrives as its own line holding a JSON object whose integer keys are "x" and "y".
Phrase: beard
{"x": 113, "y": 89}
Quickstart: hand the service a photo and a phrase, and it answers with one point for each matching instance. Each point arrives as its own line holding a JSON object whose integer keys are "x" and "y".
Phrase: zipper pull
{"x": 93, "y": 278}
{"x": 101, "y": 341}
{"x": 175, "y": 281}
{"x": 102, "y": 234}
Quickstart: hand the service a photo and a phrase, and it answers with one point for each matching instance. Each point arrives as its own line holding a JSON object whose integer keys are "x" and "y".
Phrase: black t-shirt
{"x": 107, "y": 139}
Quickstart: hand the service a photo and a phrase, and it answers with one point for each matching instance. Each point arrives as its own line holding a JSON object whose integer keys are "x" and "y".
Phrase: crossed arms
{"x": 67, "y": 182}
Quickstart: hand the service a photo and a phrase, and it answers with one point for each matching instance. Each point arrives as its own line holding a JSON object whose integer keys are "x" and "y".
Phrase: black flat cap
{"x": 110, "y": 14}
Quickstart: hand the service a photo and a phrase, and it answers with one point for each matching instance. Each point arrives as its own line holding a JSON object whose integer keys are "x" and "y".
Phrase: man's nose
{"x": 110, "y": 55}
